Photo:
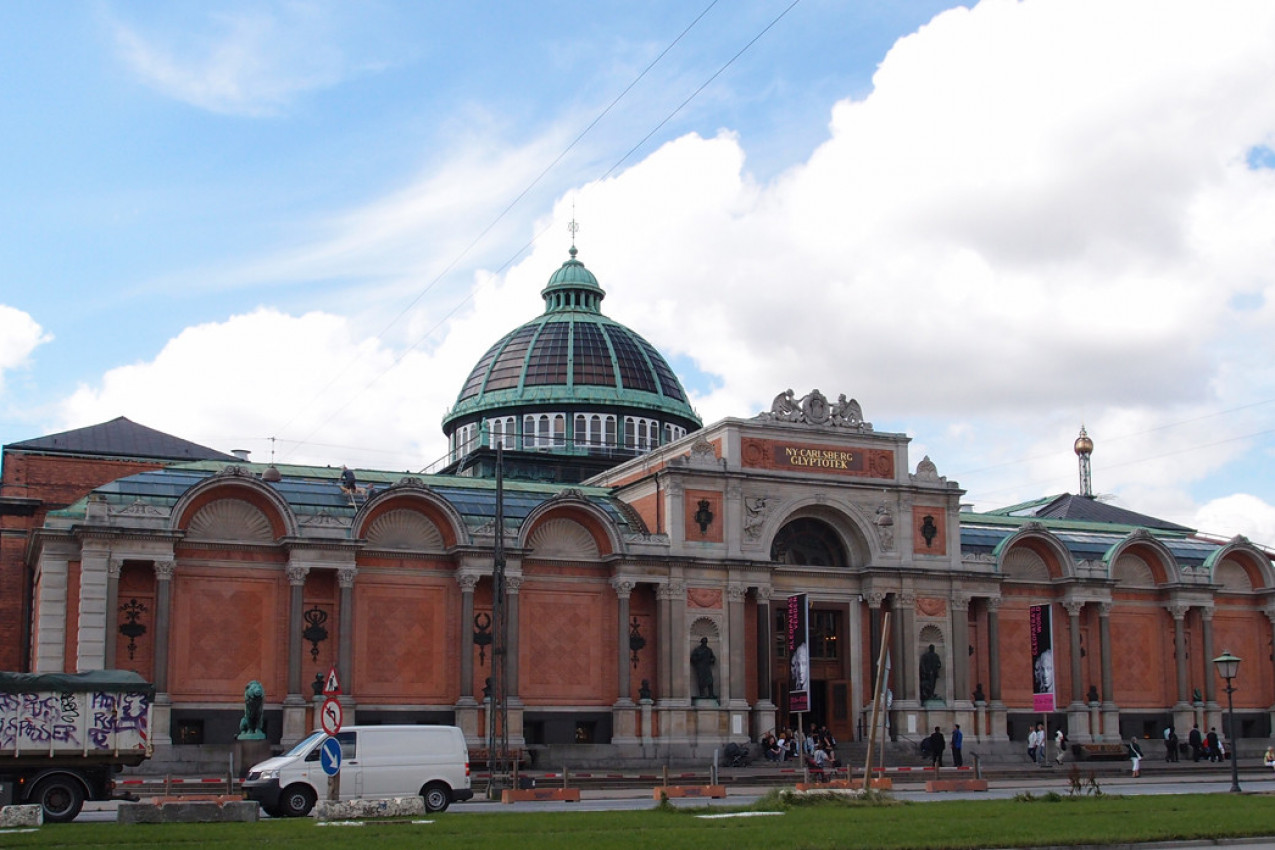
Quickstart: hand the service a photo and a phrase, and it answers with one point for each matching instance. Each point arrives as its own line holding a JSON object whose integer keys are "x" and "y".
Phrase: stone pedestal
{"x": 248, "y": 753}
{"x": 1095, "y": 722}
{"x": 980, "y": 720}
{"x": 764, "y": 718}
{"x": 468, "y": 718}
{"x": 999, "y": 722}
{"x": 1110, "y": 723}
{"x": 294, "y": 725}
{"x": 648, "y": 733}
{"x": 1183, "y": 717}
{"x": 1078, "y": 722}
{"x": 162, "y": 721}
{"x": 624, "y": 720}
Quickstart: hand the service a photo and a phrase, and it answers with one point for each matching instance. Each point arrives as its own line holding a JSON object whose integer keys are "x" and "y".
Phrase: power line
{"x": 514, "y": 256}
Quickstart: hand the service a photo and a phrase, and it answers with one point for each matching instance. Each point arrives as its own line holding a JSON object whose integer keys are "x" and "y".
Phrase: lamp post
{"x": 1227, "y": 667}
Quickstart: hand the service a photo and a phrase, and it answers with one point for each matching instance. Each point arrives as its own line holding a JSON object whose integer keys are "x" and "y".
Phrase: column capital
{"x": 345, "y": 577}
{"x": 1270, "y": 614}
{"x": 1206, "y": 613}
{"x": 467, "y": 582}
{"x": 513, "y": 584}
{"x": 736, "y": 592}
{"x": 906, "y": 598}
{"x": 1073, "y": 607}
{"x": 764, "y": 592}
{"x": 875, "y": 598}
{"x": 1177, "y": 610}
{"x": 114, "y": 567}
{"x": 1104, "y": 609}
{"x": 297, "y": 574}
{"x": 992, "y": 603}
{"x": 623, "y": 587}
{"x": 164, "y": 569}
{"x": 960, "y": 602}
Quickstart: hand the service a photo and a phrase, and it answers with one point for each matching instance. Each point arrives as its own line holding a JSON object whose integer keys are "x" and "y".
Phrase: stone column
{"x": 113, "y": 570}
{"x": 960, "y": 649}
{"x": 674, "y": 702}
{"x": 734, "y": 684}
{"x": 623, "y": 713}
{"x": 345, "y": 644}
{"x": 512, "y": 585}
{"x": 1212, "y": 710}
{"x": 680, "y": 638}
{"x": 907, "y": 617}
{"x": 467, "y": 706}
{"x": 1183, "y": 716}
{"x": 854, "y": 611}
{"x": 90, "y": 651}
{"x": 162, "y": 712}
{"x": 764, "y": 708}
{"x": 664, "y": 636}
{"x": 1270, "y": 616}
{"x": 1110, "y": 711}
{"x": 467, "y": 583}
{"x": 1077, "y": 712}
{"x": 294, "y": 727}
{"x": 996, "y": 706}
{"x": 897, "y": 679}
{"x": 623, "y": 588}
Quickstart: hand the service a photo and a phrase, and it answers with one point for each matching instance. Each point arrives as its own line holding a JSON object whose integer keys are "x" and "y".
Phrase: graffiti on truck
{"x": 44, "y": 720}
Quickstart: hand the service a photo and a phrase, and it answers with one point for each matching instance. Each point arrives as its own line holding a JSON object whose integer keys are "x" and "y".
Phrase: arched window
{"x": 808, "y": 542}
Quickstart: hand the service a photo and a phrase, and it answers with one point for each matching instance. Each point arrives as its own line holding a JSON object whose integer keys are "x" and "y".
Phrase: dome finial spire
{"x": 573, "y": 228}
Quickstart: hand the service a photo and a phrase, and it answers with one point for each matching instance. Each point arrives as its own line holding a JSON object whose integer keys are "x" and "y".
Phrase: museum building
{"x": 632, "y": 535}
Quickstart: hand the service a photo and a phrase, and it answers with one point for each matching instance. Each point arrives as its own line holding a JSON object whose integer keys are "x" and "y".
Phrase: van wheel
{"x": 437, "y": 797}
{"x": 297, "y": 801}
{"x": 61, "y": 797}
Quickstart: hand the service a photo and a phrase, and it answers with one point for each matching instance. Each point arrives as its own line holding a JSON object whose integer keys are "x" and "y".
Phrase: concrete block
{"x": 139, "y": 813}
{"x": 393, "y": 807}
{"x": 956, "y": 785}
{"x": 13, "y": 817}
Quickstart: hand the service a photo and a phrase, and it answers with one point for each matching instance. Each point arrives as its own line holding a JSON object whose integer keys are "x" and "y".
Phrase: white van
{"x": 376, "y": 762}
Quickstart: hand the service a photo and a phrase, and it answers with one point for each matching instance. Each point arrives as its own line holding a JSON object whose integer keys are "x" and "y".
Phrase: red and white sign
{"x": 331, "y": 715}
{"x": 331, "y": 685}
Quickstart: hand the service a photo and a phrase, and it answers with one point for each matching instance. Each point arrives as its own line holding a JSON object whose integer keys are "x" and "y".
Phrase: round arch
{"x": 235, "y": 483}
{"x": 1037, "y": 539}
{"x": 1164, "y": 567}
{"x": 579, "y": 510}
{"x": 419, "y": 499}
{"x": 810, "y": 532}
{"x": 1240, "y": 551}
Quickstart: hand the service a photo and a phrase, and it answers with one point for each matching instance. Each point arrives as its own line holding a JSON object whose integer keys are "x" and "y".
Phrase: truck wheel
{"x": 437, "y": 797}
{"x": 297, "y": 801}
{"x": 62, "y": 797}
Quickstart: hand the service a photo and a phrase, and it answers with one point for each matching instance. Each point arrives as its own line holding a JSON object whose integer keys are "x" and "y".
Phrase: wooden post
{"x": 876, "y": 703}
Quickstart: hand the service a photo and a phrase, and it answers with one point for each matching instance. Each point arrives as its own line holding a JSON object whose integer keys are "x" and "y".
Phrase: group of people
{"x": 820, "y": 747}
{"x": 1037, "y": 747}
{"x": 934, "y": 745}
{"x": 1208, "y": 747}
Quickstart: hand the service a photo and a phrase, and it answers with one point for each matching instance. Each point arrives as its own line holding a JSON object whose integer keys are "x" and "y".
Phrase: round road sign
{"x": 330, "y": 716}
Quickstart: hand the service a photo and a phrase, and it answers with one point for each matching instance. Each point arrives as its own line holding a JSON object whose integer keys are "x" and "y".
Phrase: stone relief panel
{"x": 404, "y": 529}
{"x": 704, "y": 597}
{"x": 230, "y": 519}
{"x": 1131, "y": 571}
{"x": 563, "y": 539}
{"x": 931, "y": 606}
{"x": 1024, "y": 564}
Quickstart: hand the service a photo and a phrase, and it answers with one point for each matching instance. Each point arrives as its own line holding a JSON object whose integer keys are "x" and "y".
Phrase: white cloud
{"x": 253, "y": 61}
{"x": 19, "y": 336}
{"x": 1240, "y": 513}
{"x": 328, "y": 397}
{"x": 1041, "y": 215}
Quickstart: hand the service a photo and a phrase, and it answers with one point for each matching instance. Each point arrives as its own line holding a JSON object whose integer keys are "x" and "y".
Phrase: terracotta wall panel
{"x": 403, "y": 647}
{"x": 228, "y": 627}
{"x": 567, "y": 650}
{"x": 1143, "y": 669}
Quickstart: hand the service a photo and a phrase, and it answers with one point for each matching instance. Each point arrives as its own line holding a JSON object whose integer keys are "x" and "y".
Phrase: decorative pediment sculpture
{"x": 815, "y": 409}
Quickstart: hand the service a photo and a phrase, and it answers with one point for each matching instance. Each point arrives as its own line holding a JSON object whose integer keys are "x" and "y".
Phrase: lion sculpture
{"x": 253, "y": 725}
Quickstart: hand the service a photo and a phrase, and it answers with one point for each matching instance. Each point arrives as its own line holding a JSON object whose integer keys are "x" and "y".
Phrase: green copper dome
{"x": 572, "y": 360}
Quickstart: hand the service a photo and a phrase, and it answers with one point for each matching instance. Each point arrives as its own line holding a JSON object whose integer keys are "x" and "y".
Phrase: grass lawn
{"x": 992, "y": 823}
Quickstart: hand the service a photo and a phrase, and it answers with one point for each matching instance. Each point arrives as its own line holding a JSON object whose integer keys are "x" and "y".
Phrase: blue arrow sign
{"x": 330, "y": 756}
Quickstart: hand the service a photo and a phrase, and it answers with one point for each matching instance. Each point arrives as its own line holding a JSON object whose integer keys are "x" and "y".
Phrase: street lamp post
{"x": 1228, "y": 666}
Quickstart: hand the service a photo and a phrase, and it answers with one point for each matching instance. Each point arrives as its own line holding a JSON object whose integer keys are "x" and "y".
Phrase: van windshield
{"x": 304, "y": 746}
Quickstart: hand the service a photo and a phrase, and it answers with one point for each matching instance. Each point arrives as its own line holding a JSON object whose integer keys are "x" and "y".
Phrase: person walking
{"x": 937, "y": 745}
{"x": 1135, "y": 756}
{"x": 1036, "y": 743}
{"x": 1173, "y": 744}
{"x": 1215, "y": 744}
{"x": 1196, "y": 741}
{"x": 957, "y": 739}
{"x": 1060, "y": 744}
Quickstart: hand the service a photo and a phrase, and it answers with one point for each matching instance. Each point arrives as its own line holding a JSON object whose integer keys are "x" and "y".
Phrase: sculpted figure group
{"x": 814, "y": 409}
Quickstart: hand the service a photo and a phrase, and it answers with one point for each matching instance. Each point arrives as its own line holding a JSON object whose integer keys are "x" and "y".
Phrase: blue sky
{"x": 233, "y": 221}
